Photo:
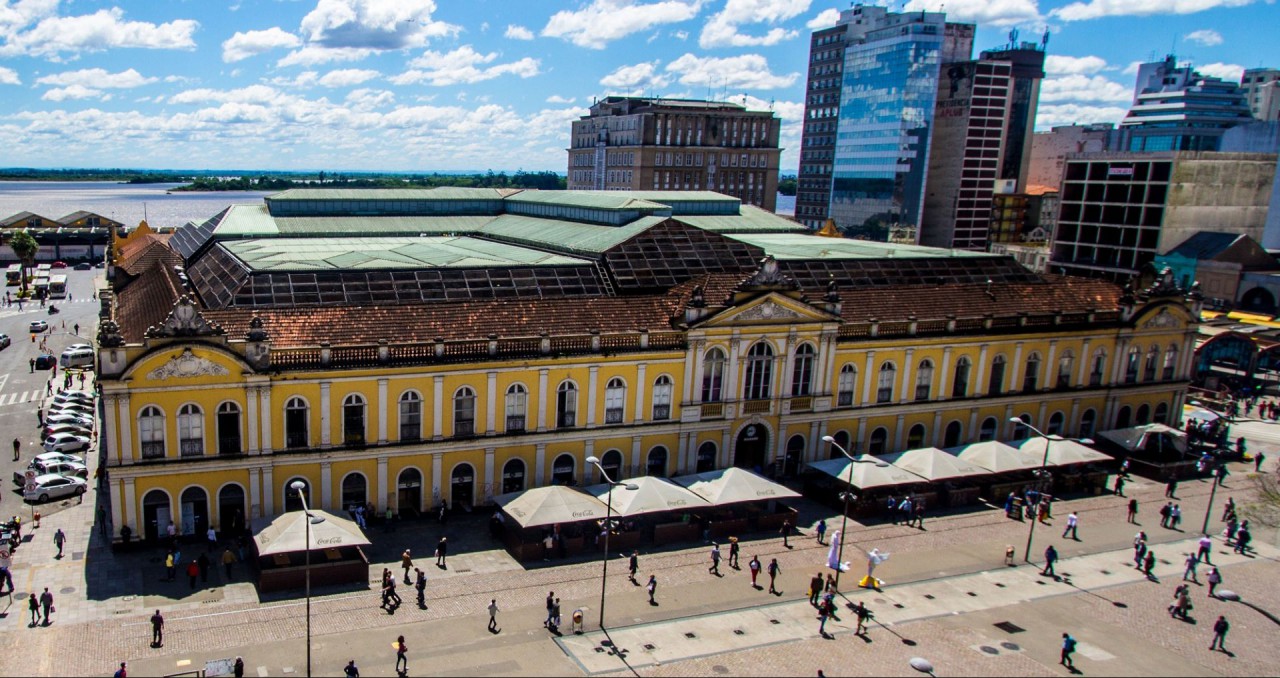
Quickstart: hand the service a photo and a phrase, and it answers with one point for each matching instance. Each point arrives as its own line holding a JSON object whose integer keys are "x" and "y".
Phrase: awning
{"x": 287, "y": 533}
{"x": 1146, "y": 437}
{"x": 996, "y": 456}
{"x": 1063, "y": 452}
{"x": 866, "y": 476}
{"x": 932, "y": 463}
{"x": 1200, "y": 414}
{"x": 653, "y": 495}
{"x": 732, "y": 486}
{"x": 550, "y": 505}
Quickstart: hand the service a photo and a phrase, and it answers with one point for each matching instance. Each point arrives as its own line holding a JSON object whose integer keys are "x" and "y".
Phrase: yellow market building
{"x": 407, "y": 348}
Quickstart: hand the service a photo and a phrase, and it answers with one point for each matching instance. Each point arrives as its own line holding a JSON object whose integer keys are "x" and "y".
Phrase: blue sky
{"x": 477, "y": 84}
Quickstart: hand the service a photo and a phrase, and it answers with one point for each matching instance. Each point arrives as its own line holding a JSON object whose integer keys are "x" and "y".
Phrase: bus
{"x": 13, "y": 275}
{"x": 57, "y": 287}
{"x": 43, "y": 270}
{"x": 41, "y": 285}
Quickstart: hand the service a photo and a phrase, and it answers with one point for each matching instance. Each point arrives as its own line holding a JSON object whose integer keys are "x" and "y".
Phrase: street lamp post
{"x": 299, "y": 486}
{"x": 1213, "y": 490}
{"x": 1042, "y": 472}
{"x": 608, "y": 527}
{"x": 848, "y": 496}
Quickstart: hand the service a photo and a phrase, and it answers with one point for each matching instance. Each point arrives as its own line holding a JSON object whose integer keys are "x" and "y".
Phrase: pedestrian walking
{"x": 815, "y": 588}
{"x": 420, "y": 584}
{"x": 774, "y": 570}
{"x": 1166, "y": 513}
{"x": 786, "y": 532}
{"x": 442, "y": 550}
{"x": 1149, "y": 563}
{"x": 821, "y": 529}
{"x": 1073, "y": 522}
{"x": 633, "y": 566}
{"x": 1220, "y": 475}
{"x": 1228, "y": 509}
{"x": 919, "y": 513}
{"x": 17, "y": 445}
{"x": 1220, "y": 629}
{"x": 1068, "y": 649}
{"x": 1190, "y": 570}
{"x": 394, "y": 597}
{"x": 228, "y": 559}
{"x": 34, "y": 606}
{"x": 1205, "y": 548}
{"x": 754, "y": 566}
{"x": 715, "y": 560}
{"x": 863, "y": 614}
{"x": 1214, "y": 578}
{"x": 555, "y": 615}
{"x": 1171, "y": 488}
{"x": 831, "y": 584}
{"x": 402, "y": 656}
{"x": 193, "y": 571}
{"x": 551, "y": 601}
{"x": 157, "y": 629}
{"x": 46, "y": 604}
{"x": 493, "y": 615}
{"x": 203, "y": 563}
{"x": 1050, "y": 556}
{"x": 1133, "y": 511}
{"x": 351, "y": 670}
{"x": 211, "y": 540}
{"x": 1257, "y": 462}
{"x": 59, "y": 538}
{"x": 1243, "y": 537}
{"x": 237, "y": 669}
{"x": 1119, "y": 486}
{"x": 1175, "y": 517}
{"x": 406, "y": 563}
{"x": 734, "y": 550}
{"x": 652, "y": 587}
{"x": 123, "y": 671}
{"x": 823, "y": 615}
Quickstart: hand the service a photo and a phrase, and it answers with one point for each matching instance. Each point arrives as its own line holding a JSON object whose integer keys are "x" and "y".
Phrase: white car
{"x": 69, "y": 418}
{"x": 71, "y": 406}
{"x": 39, "y": 325}
{"x": 66, "y": 442}
{"x": 74, "y": 429}
{"x": 73, "y": 397}
{"x": 78, "y": 346}
{"x": 51, "y": 486}
{"x": 58, "y": 468}
{"x": 48, "y": 457}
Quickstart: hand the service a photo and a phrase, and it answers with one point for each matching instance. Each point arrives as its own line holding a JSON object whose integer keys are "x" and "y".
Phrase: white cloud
{"x": 253, "y": 94}
{"x": 750, "y": 71}
{"x": 557, "y": 99}
{"x": 680, "y": 35}
{"x": 637, "y": 77}
{"x": 71, "y": 92}
{"x": 243, "y": 45}
{"x": 825, "y": 19}
{"x": 462, "y": 65}
{"x": 722, "y": 28}
{"x": 314, "y": 55}
{"x": 1095, "y": 9}
{"x": 515, "y": 32}
{"x": 1205, "y": 36}
{"x": 374, "y": 24}
{"x": 302, "y": 80}
{"x": 1132, "y": 68}
{"x": 1077, "y": 87}
{"x": 604, "y": 21}
{"x": 365, "y": 99}
{"x": 98, "y": 78}
{"x": 102, "y": 30}
{"x": 1049, "y": 115}
{"x": 1221, "y": 70}
{"x": 8, "y": 76}
{"x": 982, "y": 12}
{"x": 1057, "y": 64}
{"x": 348, "y": 77}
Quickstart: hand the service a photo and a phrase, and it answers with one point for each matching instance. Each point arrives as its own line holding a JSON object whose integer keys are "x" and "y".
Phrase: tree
{"x": 1265, "y": 508}
{"x": 24, "y": 247}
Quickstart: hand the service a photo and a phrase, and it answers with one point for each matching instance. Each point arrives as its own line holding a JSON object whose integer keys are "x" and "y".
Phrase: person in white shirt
{"x": 1073, "y": 522}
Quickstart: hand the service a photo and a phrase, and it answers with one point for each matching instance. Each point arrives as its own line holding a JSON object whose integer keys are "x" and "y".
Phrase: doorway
{"x": 749, "y": 452}
{"x": 409, "y": 492}
{"x": 231, "y": 510}
{"x": 462, "y": 486}
{"x": 795, "y": 455}
{"x": 156, "y": 514}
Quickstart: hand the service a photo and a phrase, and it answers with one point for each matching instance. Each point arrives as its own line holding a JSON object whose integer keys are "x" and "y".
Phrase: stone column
{"x": 380, "y": 502}
{"x": 326, "y": 437}
{"x": 593, "y": 375}
{"x": 1086, "y": 364}
{"x": 635, "y": 456}
{"x": 908, "y": 393}
{"x": 491, "y": 405}
{"x": 268, "y": 492}
{"x": 489, "y": 489}
{"x": 125, "y": 451}
{"x": 382, "y": 411}
{"x": 542, "y": 401}
{"x": 437, "y": 473}
{"x": 944, "y": 375}
{"x": 251, "y": 412}
{"x": 869, "y": 377}
{"x": 109, "y": 428}
{"x": 326, "y": 485}
{"x": 641, "y": 380}
{"x": 539, "y": 464}
{"x": 437, "y": 418}
{"x": 265, "y": 409}
{"x": 131, "y": 511}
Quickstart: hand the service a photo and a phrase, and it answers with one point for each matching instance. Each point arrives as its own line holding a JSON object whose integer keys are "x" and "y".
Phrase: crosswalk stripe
{"x": 25, "y": 397}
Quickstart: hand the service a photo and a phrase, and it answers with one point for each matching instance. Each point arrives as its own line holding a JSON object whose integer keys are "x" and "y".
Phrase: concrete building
{"x": 79, "y": 236}
{"x": 1176, "y": 108}
{"x": 1049, "y": 150}
{"x": 1217, "y": 262}
{"x": 1024, "y": 217}
{"x": 1262, "y": 92}
{"x": 1120, "y": 210}
{"x": 1027, "y": 61}
{"x": 1033, "y": 256}
{"x": 636, "y": 144}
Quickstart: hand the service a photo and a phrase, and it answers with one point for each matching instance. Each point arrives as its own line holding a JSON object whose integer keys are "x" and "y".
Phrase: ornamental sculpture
{"x": 184, "y": 320}
{"x": 186, "y": 365}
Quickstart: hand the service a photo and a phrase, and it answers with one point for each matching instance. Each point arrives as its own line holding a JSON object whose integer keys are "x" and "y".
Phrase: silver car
{"x": 53, "y": 486}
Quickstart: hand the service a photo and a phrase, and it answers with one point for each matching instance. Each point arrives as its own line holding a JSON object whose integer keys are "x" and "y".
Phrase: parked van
{"x": 76, "y": 357}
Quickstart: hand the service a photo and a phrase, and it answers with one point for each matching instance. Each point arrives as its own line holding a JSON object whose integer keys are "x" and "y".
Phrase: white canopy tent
{"x": 867, "y": 476}
{"x": 732, "y": 486}
{"x": 287, "y": 533}
{"x": 932, "y": 463}
{"x": 550, "y": 505}
{"x": 1062, "y": 452}
{"x": 1138, "y": 438}
{"x": 996, "y": 456}
{"x": 653, "y": 495}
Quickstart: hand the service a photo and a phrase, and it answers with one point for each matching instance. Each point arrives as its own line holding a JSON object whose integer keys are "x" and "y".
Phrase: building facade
{"x": 1049, "y": 150}
{"x": 638, "y": 144}
{"x": 79, "y": 236}
{"x": 1262, "y": 92}
{"x": 1176, "y": 108}
{"x": 472, "y": 342}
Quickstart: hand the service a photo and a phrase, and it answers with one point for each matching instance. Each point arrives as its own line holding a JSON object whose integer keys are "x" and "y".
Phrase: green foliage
{"x": 787, "y": 186}
{"x": 490, "y": 179}
{"x": 24, "y": 247}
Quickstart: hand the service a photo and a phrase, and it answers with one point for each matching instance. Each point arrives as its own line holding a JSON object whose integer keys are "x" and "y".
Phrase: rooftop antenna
{"x": 144, "y": 211}
{"x": 1044, "y": 40}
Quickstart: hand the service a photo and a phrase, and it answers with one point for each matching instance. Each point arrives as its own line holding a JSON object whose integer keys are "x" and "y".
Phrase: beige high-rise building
{"x": 642, "y": 144}
{"x": 1262, "y": 92}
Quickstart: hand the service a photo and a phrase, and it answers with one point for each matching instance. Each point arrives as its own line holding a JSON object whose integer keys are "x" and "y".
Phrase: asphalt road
{"x": 21, "y": 390}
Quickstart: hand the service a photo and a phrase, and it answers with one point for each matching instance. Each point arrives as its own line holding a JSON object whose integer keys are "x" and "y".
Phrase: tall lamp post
{"x": 608, "y": 526}
{"x": 1213, "y": 490}
{"x": 312, "y": 519}
{"x": 847, "y": 495}
{"x": 1042, "y": 472}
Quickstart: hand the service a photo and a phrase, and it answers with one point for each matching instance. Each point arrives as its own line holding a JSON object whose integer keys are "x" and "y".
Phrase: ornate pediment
{"x": 1162, "y": 319}
{"x": 768, "y": 276}
{"x": 186, "y": 365}
{"x": 768, "y": 311}
{"x": 185, "y": 320}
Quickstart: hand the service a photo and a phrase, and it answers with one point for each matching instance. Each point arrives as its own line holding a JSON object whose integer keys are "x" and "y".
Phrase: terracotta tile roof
{"x": 139, "y": 255}
{"x": 147, "y": 300}
{"x": 1064, "y": 293}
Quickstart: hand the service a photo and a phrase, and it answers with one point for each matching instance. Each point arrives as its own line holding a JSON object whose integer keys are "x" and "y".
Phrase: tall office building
{"x": 1262, "y": 92}
{"x": 869, "y": 114}
{"x": 639, "y": 144}
{"x": 1176, "y": 108}
{"x": 1027, "y": 62}
{"x": 1049, "y": 150}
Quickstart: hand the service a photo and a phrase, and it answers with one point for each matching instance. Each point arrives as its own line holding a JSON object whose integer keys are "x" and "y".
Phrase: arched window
{"x": 517, "y": 403}
{"x": 879, "y": 441}
{"x": 151, "y": 432}
{"x": 846, "y": 385}
{"x": 960, "y": 385}
{"x": 1170, "y": 362}
{"x": 915, "y": 437}
{"x": 1066, "y": 364}
{"x": 1162, "y": 413}
{"x": 1144, "y": 414}
{"x": 292, "y": 497}
{"x": 713, "y": 376}
{"x": 1031, "y": 377}
{"x": 662, "y": 388}
{"x": 464, "y": 412}
{"x": 355, "y": 491}
{"x": 1087, "y": 422}
{"x": 410, "y": 416}
{"x": 759, "y": 372}
{"x": 656, "y": 465}
{"x": 706, "y": 457}
{"x": 924, "y": 379}
{"x": 1124, "y": 417}
{"x": 1149, "y": 368}
{"x": 229, "y": 428}
{"x": 884, "y": 387}
{"x": 513, "y": 476}
{"x": 615, "y": 398}
{"x": 612, "y": 463}
{"x": 566, "y": 405}
{"x": 951, "y": 437}
{"x": 802, "y": 371}
{"x": 563, "y": 470}
{"x": 988, "y": 430}
{"x": 1099, "y": 364}
{"x": 295, "y": 423}
{"x": 353, "y": 420}
{"x": 1055, "y": 423}
{"x": 996, "y": 386}
{"x": 842, "y": 439}
{"x": 1131, "y": 365}
{"x": 191, "y": 431}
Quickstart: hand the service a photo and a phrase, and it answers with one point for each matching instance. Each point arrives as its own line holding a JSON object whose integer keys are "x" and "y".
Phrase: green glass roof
{"x": 800, "y": 246}
{"x": 600, "y": 200}
{"x": 382, "y": 194}
{"x": 749, "y": 219}
{"x": 587, "y": 239}
{"x": 388, "y": 253}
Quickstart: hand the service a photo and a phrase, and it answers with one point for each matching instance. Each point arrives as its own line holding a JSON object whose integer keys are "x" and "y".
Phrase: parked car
{"x": 57, "y": 403}
{"x": 45, "y": 457}
{"x": 83, "y": 266}
{"x": 79, "y": 346}
{"x": 73, "y": 429}
{"x": 5, "y": 341}
{"x": 66, "y": 442}
{"x": 77, "y": 357}
{"x": 73, "y": 397}
{"x": 45, "y": 361}
{"x": 39, "y": 325}
{"x": 52, "y": 486}
{"x": 62, "y": 468}
{"x": 69, "y": 418}
{"x": 82, "y": 409}
{"x": 58, "y": 264}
